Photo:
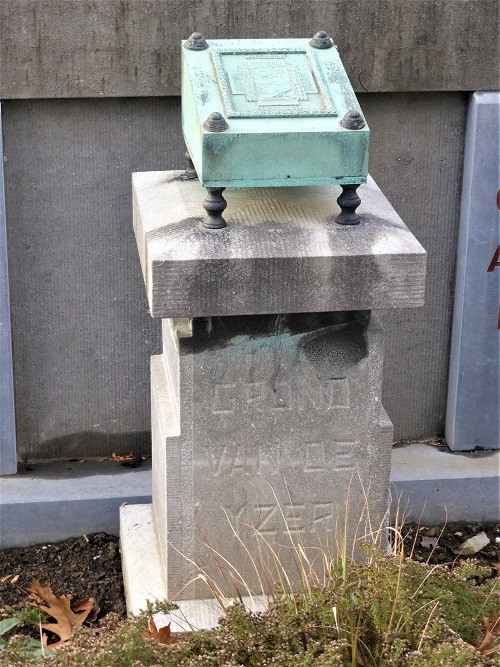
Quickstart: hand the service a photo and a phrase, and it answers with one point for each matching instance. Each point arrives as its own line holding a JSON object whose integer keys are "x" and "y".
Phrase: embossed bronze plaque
{"x": 270, "y": 84}
{"x": 271, "y": 112}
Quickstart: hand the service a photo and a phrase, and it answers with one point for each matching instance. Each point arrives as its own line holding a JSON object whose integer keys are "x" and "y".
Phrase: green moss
{"x": 385, "y": 612}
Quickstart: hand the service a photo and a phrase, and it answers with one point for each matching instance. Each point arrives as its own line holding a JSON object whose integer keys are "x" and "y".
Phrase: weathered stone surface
{"x": 277, "y": 425}
{"x": 425, "y": 186}
{"x": 83, "y": 48}
{"x": 281, "y": 251}
{"x": 82, "y": 335}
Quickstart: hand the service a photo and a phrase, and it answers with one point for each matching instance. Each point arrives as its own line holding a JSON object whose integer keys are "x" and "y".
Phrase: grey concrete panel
{"x": 54, "y": 502}
{"x": 281, "y": 251}
{"x": 431, "y": 485}
{"x": 416, "y": 157}
{"x": 83, "y": 48}
{"x": 473, "y": 414}
{"x": 8, "y": 453}
{"x": 82, "y": 335}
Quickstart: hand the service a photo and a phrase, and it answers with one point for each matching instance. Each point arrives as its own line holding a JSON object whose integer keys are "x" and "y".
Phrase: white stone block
{"x": 271, "y": 433}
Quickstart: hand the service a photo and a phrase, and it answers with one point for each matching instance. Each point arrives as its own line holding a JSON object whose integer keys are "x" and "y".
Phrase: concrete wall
{"x": 110, "y": 48}
{"x": 82, "y": 335}
{"x": 89, "y": 92}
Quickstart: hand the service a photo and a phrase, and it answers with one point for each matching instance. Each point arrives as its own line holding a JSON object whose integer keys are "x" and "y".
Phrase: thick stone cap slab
{"x": 282, "y": 251}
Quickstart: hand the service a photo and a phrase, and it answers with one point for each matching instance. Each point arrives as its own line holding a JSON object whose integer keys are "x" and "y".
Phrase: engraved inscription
{"x": 288, "y": 394}
{"x": 289, "y": 519}
{"x": 224, "y": 399}
{"x": 267, "y": 516}
{"x": 323, "y": 396}
{"x": 262, "y": 458}
{"x": 344, "y": 456}
{"x": 273, "y": 518}
{"x": 314, "y": 455}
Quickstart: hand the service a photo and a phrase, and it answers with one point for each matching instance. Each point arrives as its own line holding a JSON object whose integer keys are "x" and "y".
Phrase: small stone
{"x": 428, "y": 542}
{"x": 473, "y": 545}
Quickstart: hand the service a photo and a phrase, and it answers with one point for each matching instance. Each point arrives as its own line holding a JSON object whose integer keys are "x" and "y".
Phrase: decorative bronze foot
{"x": 348, "y": 202}
{"x": 190, "y": 172}
{"x": 214, "y": 204}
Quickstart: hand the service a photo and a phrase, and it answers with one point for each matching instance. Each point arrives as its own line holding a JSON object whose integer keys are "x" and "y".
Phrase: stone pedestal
{"x": 269, "y": 435}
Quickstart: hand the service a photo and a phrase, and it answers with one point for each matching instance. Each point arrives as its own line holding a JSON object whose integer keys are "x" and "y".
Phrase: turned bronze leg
{"x": 214, "y": 205}
{"x": 348, "y": 202}
{"x": 190, "y": 172}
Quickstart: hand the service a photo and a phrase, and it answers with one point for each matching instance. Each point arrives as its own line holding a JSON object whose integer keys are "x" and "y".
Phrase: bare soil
{"x": 90, "y": 566}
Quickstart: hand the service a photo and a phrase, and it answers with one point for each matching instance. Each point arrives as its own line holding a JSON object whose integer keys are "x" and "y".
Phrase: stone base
{"x": 268, "y": 438}
{"x": 144, "y": 583}
{"x": 141, "y": 565}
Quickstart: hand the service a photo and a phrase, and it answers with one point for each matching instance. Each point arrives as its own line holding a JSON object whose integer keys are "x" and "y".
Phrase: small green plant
{"x": 388, "y": 612}
{"x": 26, "y": 647}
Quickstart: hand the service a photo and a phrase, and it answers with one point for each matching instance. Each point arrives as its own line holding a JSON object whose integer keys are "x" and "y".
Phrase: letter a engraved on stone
{"x": 230, "y": 461}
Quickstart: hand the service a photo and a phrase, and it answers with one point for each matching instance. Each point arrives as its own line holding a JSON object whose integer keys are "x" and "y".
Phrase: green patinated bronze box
{"x": 271, "y": 112}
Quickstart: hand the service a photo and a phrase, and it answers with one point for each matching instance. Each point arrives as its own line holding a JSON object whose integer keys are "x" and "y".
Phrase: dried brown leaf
{"x": 495, "y": 564}
{"x": 121, "y": 457}
{"x": 162, "y": 636}
{"x": 66, "y": 620}
{"x": 129, "y": 460}
{"x": 87, "y": 603}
